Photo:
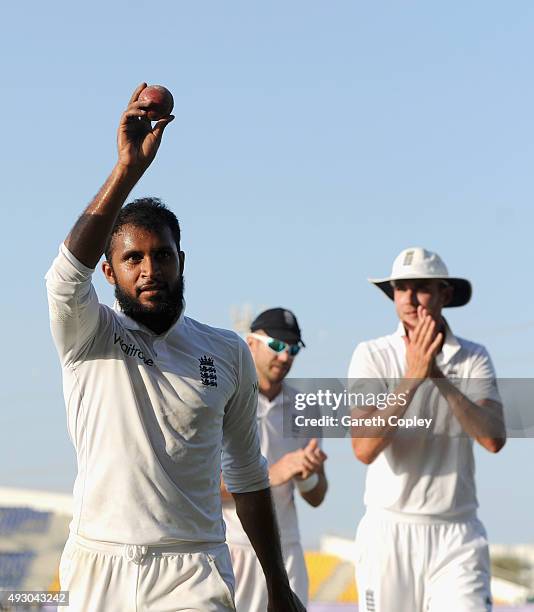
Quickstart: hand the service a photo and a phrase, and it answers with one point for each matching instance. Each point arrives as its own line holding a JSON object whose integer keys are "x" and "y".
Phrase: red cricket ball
{"x": 160, "y": 99}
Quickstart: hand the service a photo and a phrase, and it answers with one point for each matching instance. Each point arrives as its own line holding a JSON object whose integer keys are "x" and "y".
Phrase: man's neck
{"x": 270, "y": 390}
{"x": 159, "y": 324}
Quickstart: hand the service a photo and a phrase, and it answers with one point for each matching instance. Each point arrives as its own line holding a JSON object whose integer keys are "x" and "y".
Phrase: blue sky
{"x": 313, "y": 141}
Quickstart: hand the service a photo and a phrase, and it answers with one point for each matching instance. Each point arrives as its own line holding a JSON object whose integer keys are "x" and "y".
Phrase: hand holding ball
{"x": 160, "y": 100}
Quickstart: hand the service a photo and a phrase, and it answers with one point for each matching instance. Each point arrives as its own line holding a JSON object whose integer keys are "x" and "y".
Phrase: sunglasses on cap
{"x": 277, "y": 346}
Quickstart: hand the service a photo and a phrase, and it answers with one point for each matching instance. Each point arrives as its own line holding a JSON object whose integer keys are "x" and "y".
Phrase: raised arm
{"x": 73, "y": 304}
{"x": 137, "y": 144}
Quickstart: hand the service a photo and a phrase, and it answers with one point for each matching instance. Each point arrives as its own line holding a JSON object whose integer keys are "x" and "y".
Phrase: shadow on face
{"x": 146, "y": 270}
{"x": 432, "y": 294}
{"x": 271, "y": 366}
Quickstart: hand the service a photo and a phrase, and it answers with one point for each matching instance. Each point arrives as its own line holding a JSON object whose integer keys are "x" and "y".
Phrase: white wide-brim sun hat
{"x": 418, "y": 263}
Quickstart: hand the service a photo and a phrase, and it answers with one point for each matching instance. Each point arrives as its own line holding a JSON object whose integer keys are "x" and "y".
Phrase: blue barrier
{"x": 14, "y": 568}
{"x": 13, "y": 520}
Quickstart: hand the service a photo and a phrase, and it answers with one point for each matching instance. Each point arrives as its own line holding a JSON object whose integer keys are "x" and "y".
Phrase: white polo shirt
{"x": 426, "y": 475}
{"x": 149, "y": 416}
{"x": 274, "y": 445}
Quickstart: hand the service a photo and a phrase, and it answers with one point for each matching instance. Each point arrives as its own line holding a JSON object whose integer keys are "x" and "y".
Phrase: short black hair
{"x": 150, "y": 214}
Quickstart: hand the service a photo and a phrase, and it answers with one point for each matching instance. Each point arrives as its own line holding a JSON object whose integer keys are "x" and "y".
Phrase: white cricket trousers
{"x": 404, "y": 566}
{"x": 250, "y": 587}
{"x": 105, "y": 577}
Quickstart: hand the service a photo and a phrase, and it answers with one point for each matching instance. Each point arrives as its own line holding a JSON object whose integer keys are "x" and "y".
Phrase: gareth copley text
{"x": 327, "y": 421}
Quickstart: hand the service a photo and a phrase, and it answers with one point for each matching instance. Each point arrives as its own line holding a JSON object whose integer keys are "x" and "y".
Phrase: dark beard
{"x": 162, "y": 315}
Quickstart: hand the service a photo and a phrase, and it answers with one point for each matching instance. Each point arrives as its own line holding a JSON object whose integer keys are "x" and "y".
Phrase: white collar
{"x": 267, "y": 404}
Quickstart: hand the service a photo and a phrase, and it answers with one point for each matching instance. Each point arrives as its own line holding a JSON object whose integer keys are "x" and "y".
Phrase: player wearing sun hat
{"x": 420, "y": 264}
{"x": 275, "y": 340}
{"x": 420, "y": 546}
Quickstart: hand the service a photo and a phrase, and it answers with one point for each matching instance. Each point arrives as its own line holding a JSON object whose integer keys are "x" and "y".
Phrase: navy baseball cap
{"x": 279, "y": 323}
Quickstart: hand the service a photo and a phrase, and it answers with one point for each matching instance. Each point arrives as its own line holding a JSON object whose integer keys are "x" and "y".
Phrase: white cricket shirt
{"x": 149, "y": 416}
{"x": 274, "y": 445}
{"x": 426, "y": 475}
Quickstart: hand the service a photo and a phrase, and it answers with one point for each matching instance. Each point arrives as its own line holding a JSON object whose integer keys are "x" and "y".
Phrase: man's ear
{"x": 181, "y": 257}
{"x": 108, "y": 273}
{"x": 250, "y": 341}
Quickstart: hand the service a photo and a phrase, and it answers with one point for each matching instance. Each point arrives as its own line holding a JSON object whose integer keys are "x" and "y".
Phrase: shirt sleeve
{"x": 482, "y": 381}
{"x": 72, "y": 304}
{"x": 244, "y": 468}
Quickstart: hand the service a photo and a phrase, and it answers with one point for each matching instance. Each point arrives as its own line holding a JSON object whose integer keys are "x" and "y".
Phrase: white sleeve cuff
{"x": 246, "y": 479}
{"x": 75, "y": 262}
{"x": 307, "y": 485}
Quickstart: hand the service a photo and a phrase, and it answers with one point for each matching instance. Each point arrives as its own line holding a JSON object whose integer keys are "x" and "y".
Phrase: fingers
{"x": 301, "y": 468}
{"x": 315, "y": 452}
{"x": 420, "y": 313}
{"x": 434, "y": 347}
{"x": 308, "y": 465}
{"x": 139, "y": 105}
{"x": 313, "y": 460}
{"x": 136, "y": 93}
{"x": 312, "y": 444}
{"x": 420, "y": 323}
{"x": 161, "y": 125}
{"x": 322, "y": 456}
{"x": 425, "y": 332}
{"x": 137, "y": 113}
{"x": 428, "y": 333}
{"x": 419, "y": 331}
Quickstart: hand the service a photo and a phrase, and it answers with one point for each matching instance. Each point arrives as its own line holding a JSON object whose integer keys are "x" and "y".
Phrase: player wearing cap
{"x": 153, "y": 400}
{"x": 420, "y": 546}
{"x": 274, "y": 340}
